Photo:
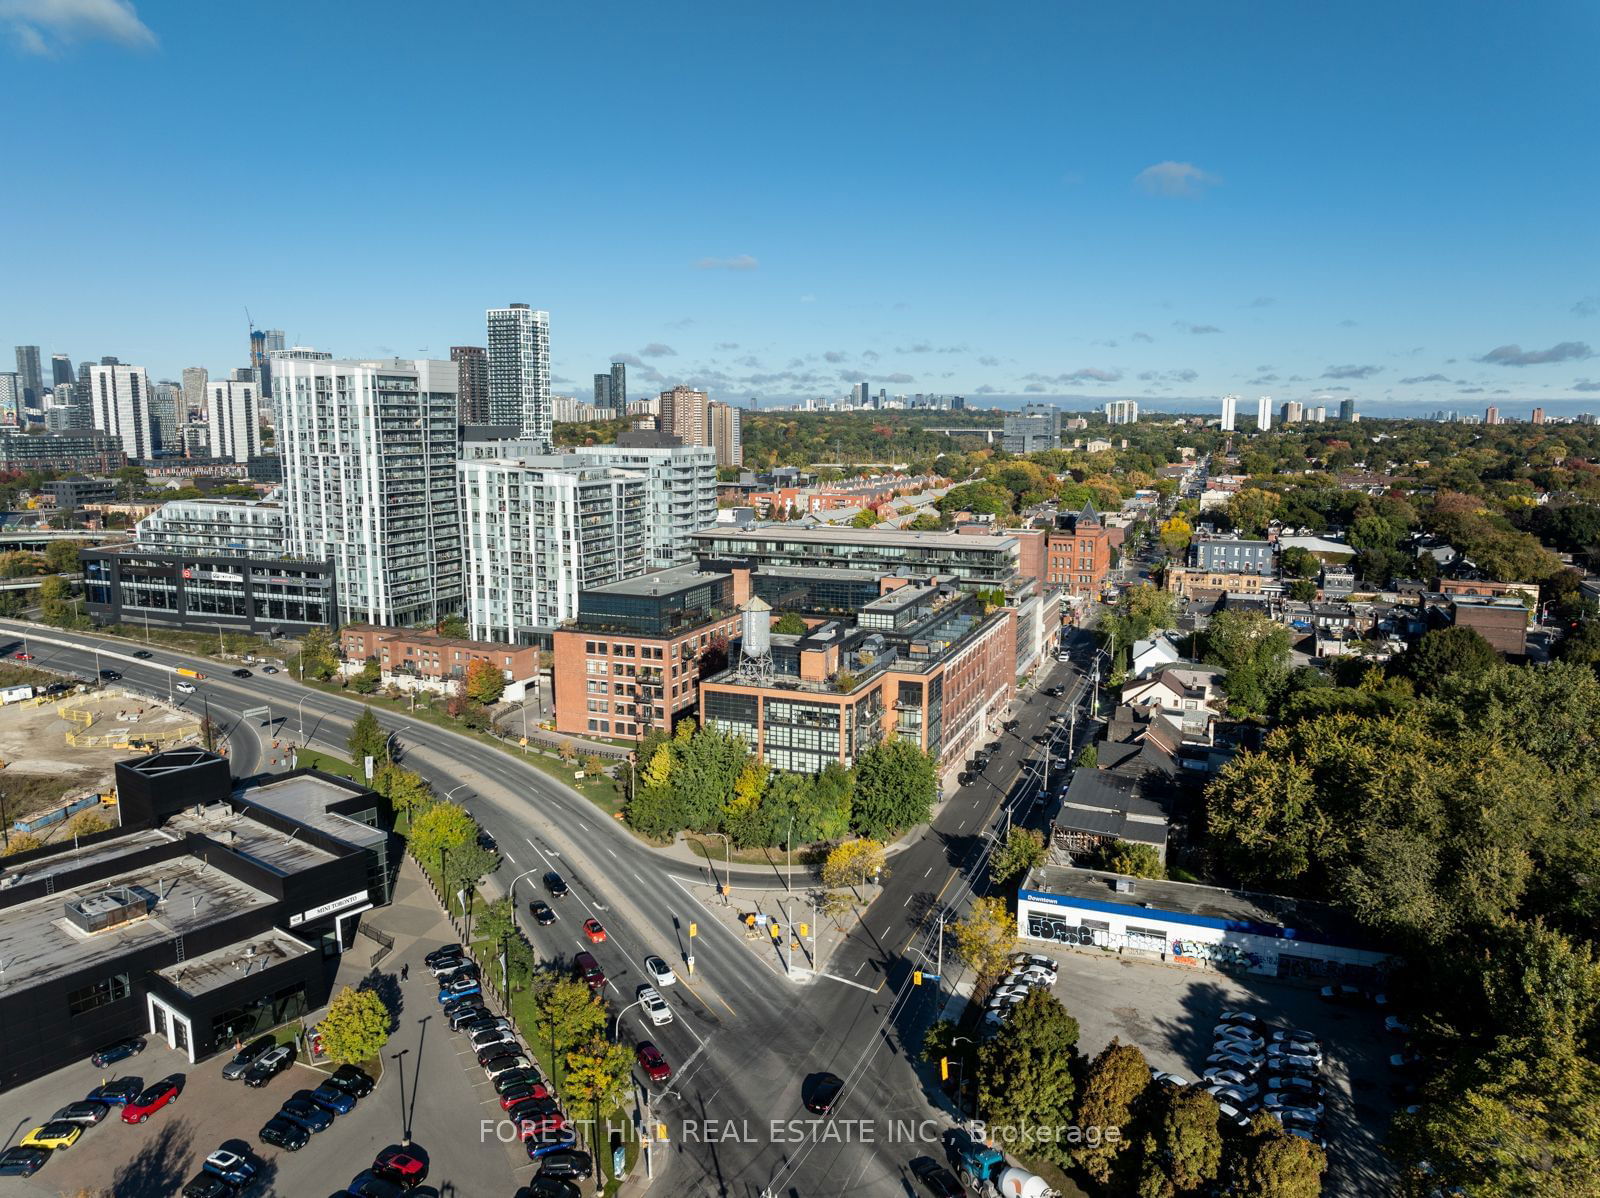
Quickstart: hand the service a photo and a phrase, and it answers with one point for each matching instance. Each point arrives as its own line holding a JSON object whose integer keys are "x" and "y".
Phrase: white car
{"x": 1233, "y": 1114}
{"x": 660, "y": 972}
{"x": 1238, "y": 1035}
{"x": 1007, "y": 994}
{"x": 1242, "y": 1018}
{"x": 1291, "y": 1048}
{"x": 512, "y": 1060}
{"x": 1296, "y": 1061}
{"x": 1032, "y": 961}
{"x": 1293, "y": 1102}
{"x": 1227, "y": 1094}
{"x": 493, "y": 1035}
{"x": 186, "y": 688}
{"x": 1234, "y": 1060}
{"x": 997, "y": 1016}
{"x": 655, "y": 1007}
{"x": 1232, "y": 1079}
{"x": 1028, "y": 977}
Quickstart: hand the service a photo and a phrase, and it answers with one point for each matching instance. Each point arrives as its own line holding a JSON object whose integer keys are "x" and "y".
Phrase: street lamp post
{"x": 961, "y": 1076}
{"x": 400, "y": 1064}
{"x": 300, "y": 708}
{"x": 511, "y": 891}
{"x": 616, "y": 1024}
{"x": 788, "y": 881}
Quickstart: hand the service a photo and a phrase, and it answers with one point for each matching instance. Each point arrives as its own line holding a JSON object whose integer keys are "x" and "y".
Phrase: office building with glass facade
{"x": 978, "y": 560}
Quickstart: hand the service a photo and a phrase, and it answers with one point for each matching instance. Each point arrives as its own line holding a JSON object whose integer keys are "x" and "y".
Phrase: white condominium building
{"x": 232, "y": 411}
{"x": 680, "y": 494}
{"x": 537, "y": 529}
{"x": 1122, "y": 411}
{"x": 120, "y": 400}
{"x": 1264, "y": 413}
{"x": 519, "y": 371}
{"x": 1230, "y": 412}
{"x": 250, "y": 527}
{"x": 369, "y": 480}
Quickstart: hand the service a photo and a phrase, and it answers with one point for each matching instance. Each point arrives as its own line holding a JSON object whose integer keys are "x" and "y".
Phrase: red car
{"x": 653, "y": 1063}
{"x": 521, "y": 1094}
{"x": 593, "y": 930}
{"x": 538, "y": 1125}
{"x": 398, "y": 1165}
{"x": 23, "y": 656}
{"x": 151, "y": 1099}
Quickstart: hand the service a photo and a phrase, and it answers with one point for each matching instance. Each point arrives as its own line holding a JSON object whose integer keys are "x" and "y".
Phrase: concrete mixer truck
{"x": 985, "y": 1172}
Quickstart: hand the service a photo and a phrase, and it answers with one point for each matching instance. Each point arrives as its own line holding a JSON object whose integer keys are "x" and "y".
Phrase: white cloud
{"x": 658, "y": 350}
{"x": 739, "y": 262}
{"x": 46, "y": 26}
{"x": 1175, "y": 179}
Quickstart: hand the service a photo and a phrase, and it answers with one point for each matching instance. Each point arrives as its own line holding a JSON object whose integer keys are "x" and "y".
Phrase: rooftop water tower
{"x": 755, "y": 642}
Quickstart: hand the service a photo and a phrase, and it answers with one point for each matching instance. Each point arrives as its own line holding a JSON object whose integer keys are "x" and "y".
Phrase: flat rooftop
{"x": 60, "y": 863}
{"x": 658, "y": 582}
{"x": 37, "y": 940}
{"x": 305, "y": 800}
{"x": 196, "y": 975}
{"x": 862, "y": 536}
{"x": 1242, "y": 910}
{"x": 278, "y": 852}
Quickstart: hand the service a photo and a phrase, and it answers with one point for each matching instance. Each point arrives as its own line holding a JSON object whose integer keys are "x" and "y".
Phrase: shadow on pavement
{"x": 159, "y": 1169}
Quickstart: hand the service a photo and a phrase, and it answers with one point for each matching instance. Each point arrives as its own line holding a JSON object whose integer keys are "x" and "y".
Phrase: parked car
{"x": 270, "y": 1064}
{"x": 117, "y": 1091}
{"x": 465, "y": 1015}
{"x": 652, "y": 1062}
{"x": 1228, "y": 1094}
{"x": 152, "y": 1098}
{"x": 492, "y": 1035}
{"x": 486, "y": 1021}
{"x": 821, "y": 1093}
{"x": 284, "y": 1133}
{"x": 459, "y": 988}
{"x": 543, "y": 1186}
{"x": 367, "y": 1184}
{"x": 538, "y": 1123}
{"x": 1236, "y": 1034}
{"x": 1006, "y": 994}
{"x": 57, "y": 1134}
{"x": 509, "y": 1080}
{"x": 444, "y": 950}
{"x": 1033, "y": 961}
{"x": 522, "y": 1093}
{"x": 532, "y": 1109}
{"x": 1293, "y": 1102}
{"x": 86, "y": 1113}
{"x": 1233, "y": 1113}
{"x": 587, "y": 968}
{"x": 1175, "y": 1080}
{"x": 501, "y": 1065}
{"x": 1028, "y": 977}
{"x": 1345, "y": 994}
{"x": 555, "y": 885}
{"x": 1233, "y": 1079}
{"x": 248, "y": 1056}
{"x": 1393, "y": 1023}
{"x": 117, "y": 1050}
{"x": 1243, "y": 1019}
{"x": 566, "y": 1162}
{"x": 442, "y": 966}
{"x": 543, "y": 913}
{"x": 1293, "y": 1049}
{"x": 935, "y": 1179}
{"x": 1294, "y": 1083}
{"x": 546, "y": 1142}
{"x": 18, "y": 1161}
{"x": 352, "y": 1080}
{"x": 1242, "y": 1061}
{"x": 330, "y": 1098}
{"x": 234, "y": 1167}
{"x": 309, "y": 1113}
{"x": 500, "y": 1048}
{"x": 269, "y": 669}
{"x": 397, "y": 1164}
{"x": 208, "y": 1185}
{"x": 1295, "y": 1061}
{"x": 1295, "y": 1035}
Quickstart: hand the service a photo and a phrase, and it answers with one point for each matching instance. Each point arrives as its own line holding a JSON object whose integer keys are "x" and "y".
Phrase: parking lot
{"x": 1169, "y": 1012}
{"x": 156, "y": 1159}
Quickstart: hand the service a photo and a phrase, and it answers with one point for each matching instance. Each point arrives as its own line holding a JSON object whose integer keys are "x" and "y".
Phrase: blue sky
{"x": 1160, "y": 200}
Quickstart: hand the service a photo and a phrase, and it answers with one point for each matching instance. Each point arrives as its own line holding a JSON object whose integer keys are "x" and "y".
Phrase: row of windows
{"x": 98, "y": 994}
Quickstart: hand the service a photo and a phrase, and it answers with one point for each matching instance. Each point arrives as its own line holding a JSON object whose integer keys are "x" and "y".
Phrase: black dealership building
{"x": 217, "y": 910}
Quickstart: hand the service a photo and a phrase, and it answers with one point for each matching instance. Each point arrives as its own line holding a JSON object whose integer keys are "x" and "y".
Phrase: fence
{"x": 58, "y": 815}
{"x": 384, "y": 940}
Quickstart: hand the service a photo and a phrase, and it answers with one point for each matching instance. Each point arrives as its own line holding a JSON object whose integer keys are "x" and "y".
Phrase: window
{"x": 98, "y": 994}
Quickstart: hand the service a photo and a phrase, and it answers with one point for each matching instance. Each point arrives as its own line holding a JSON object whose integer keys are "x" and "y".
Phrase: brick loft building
{"x": 426, "y": 660}
{"x": 1073, "y": 556}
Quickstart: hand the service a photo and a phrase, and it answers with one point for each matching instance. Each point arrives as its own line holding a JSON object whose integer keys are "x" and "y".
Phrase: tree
{"x": 894, "y": 790}
{"x": 356, "y": 1027}
{"x": 1176, "y": 533}
{"x": 852, "y": 863}
{"x": 469, "y": 864}
{"x": 1112, "y": 1085}
{"x": 1184, "y": 1145}
{"x": 1296, "y": 562}
{"x": 566, "y": 1012}
{"x": 1025, "y": 1074}
{"x": 1134, "y": 859}
{"x": 789, "y": 624}
{"x": 1141, "y": 610}
{"x": 368, "y": 739}
{"x": 1088, "y": 757}
{"x": 593, "y": 765}
{"x": 21, "y": 842}
{"x": 484, "y": 683}
{"x": 405, "y": 789}
{"x": 1022, "y": 850}
{"x": 441, "y": 828}
{"x": 87, "y": 823}
{"x": 865, "y": 518}
{"x": 61, "y": 557}
{"x": 368, "y": 679}
{"x": 1302, "y": 590}
{"x": 1446, "y": 652}
{"x": 925, "y": 522}
{"x": 600, "y": 1073}
{"x": 319, "y": 659}
{"x": 987, "y": 937}
{"x": 1271, "y": 1163}
{"x": 1254, "y": 650}
{"x": 55, "y": 601}
{"x": 1251, "y": 509}
{"x": 453, "y": 626}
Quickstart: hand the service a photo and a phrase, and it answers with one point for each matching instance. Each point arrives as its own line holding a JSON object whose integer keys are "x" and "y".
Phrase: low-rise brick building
{"x": 417, "y": 659}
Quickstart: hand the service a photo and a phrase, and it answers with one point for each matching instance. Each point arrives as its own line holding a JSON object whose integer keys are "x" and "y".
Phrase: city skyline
{"x": 1220, "y": 226}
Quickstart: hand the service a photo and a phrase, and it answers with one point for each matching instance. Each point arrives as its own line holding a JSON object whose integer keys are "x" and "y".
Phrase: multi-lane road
{"x": 745, "y": 1037}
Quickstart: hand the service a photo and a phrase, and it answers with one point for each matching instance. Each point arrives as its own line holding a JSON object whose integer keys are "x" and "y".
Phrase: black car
{"x": 86, "y": 1113}
{"x": 273, "y": 1062}
{"x": 935, "y": 1178}
{"x": 241, "y": 672}
{"x": 965, "y": 778}
{"x": 506, "y": 1082}
{"x": 309, "y": 1113}
{"x": 248, "y": 1056}
{"x": 822, "y": 1091}
{"x": 543, "y": 914}
{"x": 118, "y": 1050}
{"x": 285, "y": 1133}
{"x": 22, "y": 1162}
{"x": 143, "y": 654}
{"x": 566, "y": 1162}
{"x": 443, "y": 951}
{"x": 118, "y": 1092}
{"x": 487, "y": 842}
{"x": 351, "y": 1080}
{"x": 209, "y": 1185}
{"x": 544, "y": 1186}
{"x": 368, "y": 1184}
{"x": 555, "y": 885}
{"x": 111, "y": 675}
{"x": 1055, "y": 692}
{"x": 533, "y": 1109}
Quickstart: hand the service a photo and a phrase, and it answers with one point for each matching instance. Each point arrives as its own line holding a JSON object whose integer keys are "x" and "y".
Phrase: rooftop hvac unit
{"x": 1123, "y": 885}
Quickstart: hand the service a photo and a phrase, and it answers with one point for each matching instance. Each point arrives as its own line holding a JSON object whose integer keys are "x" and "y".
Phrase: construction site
{"x": 56, "y": 751}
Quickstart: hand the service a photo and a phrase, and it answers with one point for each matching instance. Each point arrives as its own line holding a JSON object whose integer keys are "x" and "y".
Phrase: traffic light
{"x": 944, "y": 1069}
{"x": 916, "y": 977}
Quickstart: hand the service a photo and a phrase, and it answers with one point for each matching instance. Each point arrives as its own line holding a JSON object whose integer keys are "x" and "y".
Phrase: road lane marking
{"x": 511, "y": 859}
{"x": 847, "y": 982}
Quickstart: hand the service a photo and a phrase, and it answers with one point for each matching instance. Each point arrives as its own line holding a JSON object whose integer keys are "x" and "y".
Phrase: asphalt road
{"x": 743, "y": 1040}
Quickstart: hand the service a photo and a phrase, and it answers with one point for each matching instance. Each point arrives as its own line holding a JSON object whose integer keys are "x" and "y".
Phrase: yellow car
{"x": 59, "y": 1134}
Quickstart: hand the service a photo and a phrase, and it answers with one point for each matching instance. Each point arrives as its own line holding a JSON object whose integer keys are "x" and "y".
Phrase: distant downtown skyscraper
{"x": 60, "y": 369}
{"x": 32, "y": 378}
{"x": 519, "y": 371}
{"x": 611, "y": 390}
{"x": 1230, "y": 412}
{"x": 1347, "y": 410}
{"x": 727, "y": 438}
{"x": 1264, "y": 413}
{"x": 1491, "y": 415}
{"x": 231, "y": 417}
{"x": 472, "y": 382}
{"x": 194, "y": 390}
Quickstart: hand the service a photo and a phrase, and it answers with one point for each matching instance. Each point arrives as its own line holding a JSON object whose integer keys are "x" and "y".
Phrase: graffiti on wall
{"x": 1189, "y": 952}
{"x": 1222, "y": 956}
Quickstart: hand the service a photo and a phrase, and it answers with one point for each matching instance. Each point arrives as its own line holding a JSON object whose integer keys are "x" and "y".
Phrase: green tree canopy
{"x": 356, "y": 1027}
{"x": 1445, "y": 652}
{"x": 1025, "y": 1074}
{"x": 895, "y": 789}
{"x": 1022, "y": 849}
{"x": 1253, "y": 649}
{"x": 368, "y": 739}
{"x": 441, "y": 826}
{"x": 1113, "y": 1083}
